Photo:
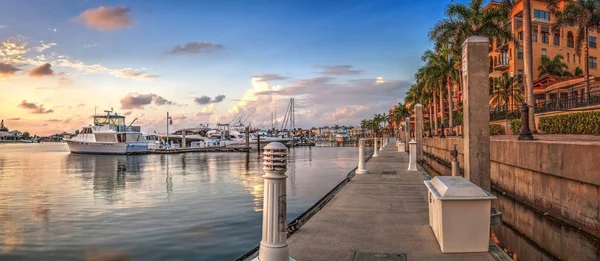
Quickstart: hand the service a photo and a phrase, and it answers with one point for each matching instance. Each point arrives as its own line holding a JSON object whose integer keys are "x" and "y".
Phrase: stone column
{"x": 412, "y": 161}
{"x": 407, "y": 132}
{"x": 476, "y": 114}
{"x": 361, "y": 158}
{"x": 419, "y": 130}
{"x": 274, "y": 246}
{"x": 375, "y": 148}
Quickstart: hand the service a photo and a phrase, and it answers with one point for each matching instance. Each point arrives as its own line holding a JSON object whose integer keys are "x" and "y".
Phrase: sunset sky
{"x": 204, "y": 61}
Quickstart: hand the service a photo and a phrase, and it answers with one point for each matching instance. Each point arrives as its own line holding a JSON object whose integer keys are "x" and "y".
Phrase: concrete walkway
{"x": 376, "y": 214}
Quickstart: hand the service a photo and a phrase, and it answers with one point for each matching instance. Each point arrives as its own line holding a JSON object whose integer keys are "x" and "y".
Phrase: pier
{"x": 189, "y": 150}
{"x": 384, "y": 212}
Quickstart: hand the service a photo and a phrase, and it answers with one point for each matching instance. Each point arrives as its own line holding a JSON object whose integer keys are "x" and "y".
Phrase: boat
{"x": 342, "y": 136}
{"x": 108, "y": 135}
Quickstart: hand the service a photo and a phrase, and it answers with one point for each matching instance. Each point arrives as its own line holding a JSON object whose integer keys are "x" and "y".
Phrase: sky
{"x": 206, "y": 61}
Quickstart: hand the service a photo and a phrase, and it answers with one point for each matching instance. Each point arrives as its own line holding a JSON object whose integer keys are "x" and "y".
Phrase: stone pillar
{"x": 274, "y": 246}
{"x": 400, "y": 146}
{"x": 454, "y": 156}
{"x": 412, "y": 162}
{"x": 361, "y": 158}
{"x": 375, "y": 148}
{"x": 476, "y": 113}
{"x": 381, "y": 143}
{"x": 419, "y": 130}
{"x": 247, "y": 130}
{"x": 407, "y": 133}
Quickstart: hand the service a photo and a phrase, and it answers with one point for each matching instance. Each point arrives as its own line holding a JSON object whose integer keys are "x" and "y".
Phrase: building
{"x": 506, "y": 58}
{"x": 5, "y": 134}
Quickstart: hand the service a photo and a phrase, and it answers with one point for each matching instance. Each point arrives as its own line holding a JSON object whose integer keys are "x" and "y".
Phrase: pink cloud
{"x": 107, "y": 18}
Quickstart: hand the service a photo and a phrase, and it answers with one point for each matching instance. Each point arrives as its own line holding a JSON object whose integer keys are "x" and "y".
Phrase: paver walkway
{"x": 375, "y": 214}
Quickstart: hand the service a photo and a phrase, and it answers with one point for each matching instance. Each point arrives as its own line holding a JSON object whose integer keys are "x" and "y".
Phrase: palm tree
{"x": 465, "y": 21}
{"x": 584, "y": 15}
{"x": 507, "y": 91}
{"x": 554, "y": 67}
{"x": 528, "y": 61}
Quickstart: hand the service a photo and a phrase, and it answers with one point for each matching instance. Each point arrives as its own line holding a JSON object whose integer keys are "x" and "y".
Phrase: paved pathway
{"x": 377, "y": 215}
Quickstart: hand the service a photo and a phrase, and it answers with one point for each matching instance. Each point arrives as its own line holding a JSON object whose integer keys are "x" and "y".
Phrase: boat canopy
{"x": 109, "y": 120}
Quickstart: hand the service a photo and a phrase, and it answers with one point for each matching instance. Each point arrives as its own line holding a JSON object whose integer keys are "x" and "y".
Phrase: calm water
{"x": 199, "y": 206}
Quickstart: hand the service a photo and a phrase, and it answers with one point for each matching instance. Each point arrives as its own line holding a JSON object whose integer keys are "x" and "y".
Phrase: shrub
{"x": 496, "y": 129}
{"x": 575, "y": 123}
{"x": 515, "y": 126}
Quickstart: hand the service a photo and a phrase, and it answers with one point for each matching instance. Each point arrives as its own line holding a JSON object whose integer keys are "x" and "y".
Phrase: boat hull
{"x": 111, "y": 148}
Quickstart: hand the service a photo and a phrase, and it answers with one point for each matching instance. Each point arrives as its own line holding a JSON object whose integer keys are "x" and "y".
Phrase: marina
{"x": 147, "y": 207}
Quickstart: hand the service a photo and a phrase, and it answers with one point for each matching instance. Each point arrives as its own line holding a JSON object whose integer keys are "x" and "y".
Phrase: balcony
{"x": 501, "y": 66}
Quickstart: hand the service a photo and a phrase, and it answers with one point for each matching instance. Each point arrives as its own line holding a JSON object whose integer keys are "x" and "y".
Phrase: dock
{"x": 190, "y": 150}
{"x": 384, "y": 211}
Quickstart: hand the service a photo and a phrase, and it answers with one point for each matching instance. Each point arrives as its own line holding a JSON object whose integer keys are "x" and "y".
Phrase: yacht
{"x": 342, "y": 136}
{"x": 108, "y": 135}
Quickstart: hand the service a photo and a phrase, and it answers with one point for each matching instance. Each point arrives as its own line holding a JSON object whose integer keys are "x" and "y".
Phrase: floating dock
{"x": 189, "y": 150}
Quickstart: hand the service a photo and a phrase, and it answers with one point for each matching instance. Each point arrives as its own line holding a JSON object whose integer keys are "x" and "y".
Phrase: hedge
{"x": 575, "y": 123}
{"x": 496, "y": 129}
{"x": 515, "y": 126}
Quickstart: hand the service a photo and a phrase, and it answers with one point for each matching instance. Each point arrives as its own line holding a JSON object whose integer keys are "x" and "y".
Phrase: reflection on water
{"x": 200, "y": 206}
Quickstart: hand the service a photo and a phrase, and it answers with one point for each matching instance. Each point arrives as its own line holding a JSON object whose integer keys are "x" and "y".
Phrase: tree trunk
{"x": 435, "y": 111}
{"x": 450, "y": 107}
{"x": 586, "y": 53}
{"x": 431, "y": 119}
{"x": 528, "y": 62}
{"x": 441, "y": 107}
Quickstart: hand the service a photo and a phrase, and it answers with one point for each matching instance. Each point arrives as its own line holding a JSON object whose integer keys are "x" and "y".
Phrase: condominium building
{"x": 506, "y": 57}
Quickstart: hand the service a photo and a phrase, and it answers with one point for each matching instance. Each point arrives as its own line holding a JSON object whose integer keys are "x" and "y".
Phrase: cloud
{"x": 34, "y": 108}
{"x": 271, "y": 77}
{"x": 338, "y": 70}
{"x": 379, "y": 80}
{"x": 43, "y": 46}
{"x": 203, "y": 100}
{"x": 53, "y": 120}
{"x": 321, "y": 100}
{"x": 79, "y": 105}
{"x": 7, "y": 70}
{"x": 128, "y": 113}
{"x": 90, "y": 45}
{"x": 42, "y": 70}
{"x": 138, "y": 101}
{"x": 136, "y": 74}
{"x": 107, "y": 18}
{"x": 207, "y": 110}
{"x": 196, "y": 47}
{"x": 3, "y": 26}
{"x": 13, "y": 119}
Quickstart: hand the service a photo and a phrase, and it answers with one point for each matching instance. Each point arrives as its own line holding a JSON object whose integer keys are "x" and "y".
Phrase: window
{"x": 520, "y": 53}
{"x": 543, "y": 52}
{"x": 593, "y": 63}
{"x": 592, "y": 42}
{"x": 545, "y": 37}
{"x": 534, "y": 36}
{"x": 570, "y": 41}
{"x": 542, "y": 15}
{"x": 520, "y": 76}
{"x": 569, "y": 57}
{"x": 520, "y": 36}
{"x": 557, "y": 38}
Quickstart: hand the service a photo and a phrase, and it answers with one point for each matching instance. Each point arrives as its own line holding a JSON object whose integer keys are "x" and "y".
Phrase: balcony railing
{"x": 567, "y": 103}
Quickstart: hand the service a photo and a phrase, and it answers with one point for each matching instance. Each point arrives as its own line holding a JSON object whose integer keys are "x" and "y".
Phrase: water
{"x": 196, "y": 206}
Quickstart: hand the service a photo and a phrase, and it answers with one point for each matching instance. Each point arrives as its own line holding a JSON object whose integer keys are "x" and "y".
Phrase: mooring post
{"x": 247, "y": 130}
{"x": 361, "y": 158}
{"x": 412, "y": 163}
{"x": 454, "y": 156}
{"x": 443, "y": 133}
{"x": 274, "y": 246}
{"x": 525, "y": 133}
{"x": 419, "y": 130}
{"x": 375, "y": 148}
{"x": 258, "y": 145}
{"x": 476, "y": 111}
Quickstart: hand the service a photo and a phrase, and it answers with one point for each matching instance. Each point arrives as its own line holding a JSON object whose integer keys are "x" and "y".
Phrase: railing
{"x": 566, "y": 103}
{"x": 504, "y": 113}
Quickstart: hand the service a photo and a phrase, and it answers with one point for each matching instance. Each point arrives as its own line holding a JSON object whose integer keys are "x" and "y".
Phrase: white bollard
{"x": 400, "y": 146}
{"x": 274, "y": 246}
{"x": 381, "y": 147}
{"x": 412, "y": 164}
{"x": 361, "y": 158}
{"x": 375, "y": 148}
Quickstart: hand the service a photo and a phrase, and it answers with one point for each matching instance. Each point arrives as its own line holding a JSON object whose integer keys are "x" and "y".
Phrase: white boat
{"x": 108, "y": 135}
